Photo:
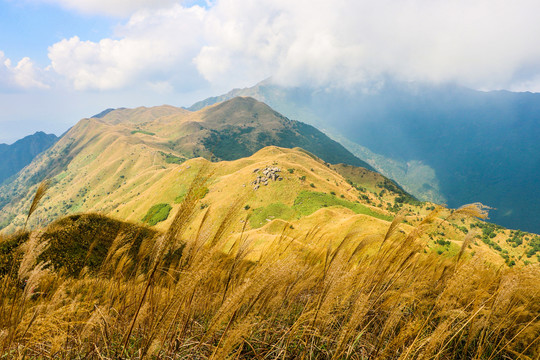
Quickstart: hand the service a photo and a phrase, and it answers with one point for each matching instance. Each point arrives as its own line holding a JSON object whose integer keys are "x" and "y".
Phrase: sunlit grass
{"x": 165, "y": 295}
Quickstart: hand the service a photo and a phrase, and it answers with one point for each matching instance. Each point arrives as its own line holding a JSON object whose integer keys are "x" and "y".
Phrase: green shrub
{"x": 442, "y": 242}
{"x": 157, "y": 213}
{"x": 172, "y": 159}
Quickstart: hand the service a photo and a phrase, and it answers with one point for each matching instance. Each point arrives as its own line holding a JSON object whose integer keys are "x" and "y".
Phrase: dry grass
{"x": 40, "y": 193}
{"x": 371, "y": 297}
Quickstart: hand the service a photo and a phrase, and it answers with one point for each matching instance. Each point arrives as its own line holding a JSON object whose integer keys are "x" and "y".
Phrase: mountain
{"x": 441, "y": 143}
{"x": 306, "y": 194}
{"x": 144, "y": 252}
{"x": 315, "y": 254}
{"x": 138, "y": 164}
{"x": 22, "y": 152}
{"x": 123, "y": 151}
{"x": 149, "y": 251}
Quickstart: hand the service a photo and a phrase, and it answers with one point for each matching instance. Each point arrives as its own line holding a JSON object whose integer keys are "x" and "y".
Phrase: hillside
{"x": 257, "y": 256}
{"x": 127, "y": 149}
{"x": 304, "y": 193}
{"x": 136, "y": 164}
{"x": 19, "y": 154}
{"x": 344, "y": 285}
{"x": 441, "y": 143}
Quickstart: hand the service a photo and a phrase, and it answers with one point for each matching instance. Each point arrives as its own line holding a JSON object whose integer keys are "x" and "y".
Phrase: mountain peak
{"x": 19, "y": 154}
{"x": 245, "y": 102}
{"x": 104, "y": 112}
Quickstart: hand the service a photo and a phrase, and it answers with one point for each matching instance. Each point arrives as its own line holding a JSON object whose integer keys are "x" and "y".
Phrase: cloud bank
{"x": 483, "y": 44}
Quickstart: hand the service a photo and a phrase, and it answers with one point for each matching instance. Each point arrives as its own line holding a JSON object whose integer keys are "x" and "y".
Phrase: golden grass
{"x": 40, "y": 193}
{"x": 360, "y": 296}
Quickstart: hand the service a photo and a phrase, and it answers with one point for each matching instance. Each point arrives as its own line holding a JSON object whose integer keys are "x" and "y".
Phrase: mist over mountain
{"x": 451, "y": 143}
{"x": 19, "y": 154}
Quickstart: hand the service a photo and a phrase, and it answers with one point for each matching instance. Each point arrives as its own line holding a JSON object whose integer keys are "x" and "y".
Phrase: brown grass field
{"x": 135, "y": 293}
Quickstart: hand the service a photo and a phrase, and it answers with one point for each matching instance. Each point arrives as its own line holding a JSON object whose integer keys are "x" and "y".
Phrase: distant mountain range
{"x": 441, "y": 143}
{"x": 19, "y": 154}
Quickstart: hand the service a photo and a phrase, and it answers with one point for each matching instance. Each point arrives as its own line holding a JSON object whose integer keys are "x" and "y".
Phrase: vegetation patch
{"x": 95, "y": 235}
{"x": 200, "y": 193}
{"x": 308, "y": 202}
{"x": 143, "y": 132}
{"x": 76, "y": 242}
{"x": 445, "y": 247}
{"x": 172, "y": 159}
{"x": 9, "y": 257}
{"x": 157, "y": 213}
{"x": 534, "y": 246}
{"x": 260, "y": 216}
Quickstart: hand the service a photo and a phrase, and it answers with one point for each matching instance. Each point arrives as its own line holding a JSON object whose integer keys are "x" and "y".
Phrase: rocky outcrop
{"x": 264, "y": 176}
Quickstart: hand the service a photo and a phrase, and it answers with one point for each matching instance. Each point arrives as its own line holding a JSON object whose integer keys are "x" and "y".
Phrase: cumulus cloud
{"x": 486, "y": 44}
{"x": 23, "y": 75}
{"x": 153, "y": 47}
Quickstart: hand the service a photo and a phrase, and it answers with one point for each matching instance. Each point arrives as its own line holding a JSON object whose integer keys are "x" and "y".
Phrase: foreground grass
{"x": 375, "y": 297}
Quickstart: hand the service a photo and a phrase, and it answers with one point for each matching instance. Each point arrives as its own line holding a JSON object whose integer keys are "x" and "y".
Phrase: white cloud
{"x": 24, "y": 75}
{"x": 484, "y": 44}
{"x": 154, "y": 47}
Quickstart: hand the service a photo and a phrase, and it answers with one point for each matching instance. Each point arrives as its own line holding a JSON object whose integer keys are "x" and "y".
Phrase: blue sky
{"x": 28, "y": 29}
{"x": 62, "y": 60}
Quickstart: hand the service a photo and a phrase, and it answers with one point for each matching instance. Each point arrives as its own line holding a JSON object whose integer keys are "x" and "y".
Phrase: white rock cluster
{"x": 268, "y": 173}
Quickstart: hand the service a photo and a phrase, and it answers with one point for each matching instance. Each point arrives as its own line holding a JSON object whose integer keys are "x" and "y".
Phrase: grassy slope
{"x": 128, "y": 149}
{"x": 311, "y": 194}
{"x": 443, "y": 143}
{"x": 115, "y": 167}
{"x": 333, "y": 285}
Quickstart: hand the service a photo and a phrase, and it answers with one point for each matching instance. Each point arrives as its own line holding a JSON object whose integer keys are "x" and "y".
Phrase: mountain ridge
{"x": 140, "y": 170}
{"x": 441, "y": 143}
{"x": 19, "y": 154}
{"x": 100, "y": 155}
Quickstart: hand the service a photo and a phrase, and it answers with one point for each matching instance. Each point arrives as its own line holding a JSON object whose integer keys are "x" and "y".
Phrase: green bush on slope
{"x": 157, "y": 213}
{"x": 308, "y": 202}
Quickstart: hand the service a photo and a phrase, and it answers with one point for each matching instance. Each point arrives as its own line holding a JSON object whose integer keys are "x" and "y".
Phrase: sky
{"x": 63, "y": 60}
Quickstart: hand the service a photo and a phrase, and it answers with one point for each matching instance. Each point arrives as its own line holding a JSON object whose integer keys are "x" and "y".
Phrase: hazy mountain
{"x": 22, "y": 152}
{"x": 443, "y": 143}
{"x": 125, "y": 149}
